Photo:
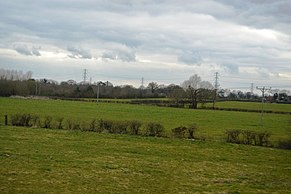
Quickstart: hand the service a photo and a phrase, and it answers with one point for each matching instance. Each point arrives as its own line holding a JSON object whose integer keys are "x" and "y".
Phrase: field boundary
{"x": 165, "y": 103}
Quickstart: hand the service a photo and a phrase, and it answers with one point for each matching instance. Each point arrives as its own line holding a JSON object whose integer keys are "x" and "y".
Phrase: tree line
{"x": 194, "y": 90}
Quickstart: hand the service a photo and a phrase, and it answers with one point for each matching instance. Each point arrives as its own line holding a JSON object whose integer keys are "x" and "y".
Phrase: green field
{"x": 211, "y": 124}
{"x": 253, "y": 106}
{"x": 60, "y": 161}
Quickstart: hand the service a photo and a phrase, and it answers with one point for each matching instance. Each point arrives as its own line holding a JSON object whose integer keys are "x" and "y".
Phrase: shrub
{"x": 119, "y": 127}
{"x": 106, "y": 125}
{"x": 134, "y": 127}
{"x": 249, "y": 137}
{"x": 192, "y": 130}
{"x": 21, "y": 120}
{"x": 154, "y": 129}
{"x": 233, "y": 136}
{"x": 94, "y": 126}
{"x": 179, "y": 132}
{"x": 262, "y": 138}
{"x": 35, "y": 121}
{"x": 47, "y": 122}
{"x": 69, "y": 124}
{"x": 60, "y": 123}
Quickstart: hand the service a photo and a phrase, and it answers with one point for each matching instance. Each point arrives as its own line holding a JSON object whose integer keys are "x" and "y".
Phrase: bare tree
{"x": 6, "y": 74}
{"x": 153, "y": 86}
{"x": 196, "y": 89}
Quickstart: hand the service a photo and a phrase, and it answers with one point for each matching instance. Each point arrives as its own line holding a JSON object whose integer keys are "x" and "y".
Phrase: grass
{"x": 211, "y": 124}
{"x": 58, "y": 161}
{"x": 252, "y": 106}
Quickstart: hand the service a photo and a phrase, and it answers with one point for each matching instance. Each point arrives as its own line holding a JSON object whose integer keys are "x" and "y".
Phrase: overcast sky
{"x": 245, "y": 41}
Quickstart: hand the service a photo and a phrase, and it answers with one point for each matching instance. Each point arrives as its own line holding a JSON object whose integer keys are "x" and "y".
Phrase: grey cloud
{"x": 79, "y": 53}
{"x": 24, "y": 50}
{"x": 35, "y": 51}
{"x": 190, "y": 58}
{"x": 261, "y": 14}
{"x": 109, "y": 55}
{"x": 125, "y": 56}
{"x": 223, "y": 31}
{"x": 231, "y": 68}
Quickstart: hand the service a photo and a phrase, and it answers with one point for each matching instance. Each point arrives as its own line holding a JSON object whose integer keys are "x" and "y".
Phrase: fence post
{"x": 6, "y": 119}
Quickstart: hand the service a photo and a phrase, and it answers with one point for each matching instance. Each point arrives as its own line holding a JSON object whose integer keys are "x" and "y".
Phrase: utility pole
{"x": 252, "y": 88}
{"x": 142, "y": 82}
{"x": 216, "y": 85}
{"x": 35, "y": 87}
{"x": 98, "y": 91}
{"x": 263, "y": 90}
{"x": 85, "y": 71}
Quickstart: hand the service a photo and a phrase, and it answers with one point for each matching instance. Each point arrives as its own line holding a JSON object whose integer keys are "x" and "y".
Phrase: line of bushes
{"x": 133, "y": 127}
{"x": 248, "y": 137}
{"x": 255, "y": 138}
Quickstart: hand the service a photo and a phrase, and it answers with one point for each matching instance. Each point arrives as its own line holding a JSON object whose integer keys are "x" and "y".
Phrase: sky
{"x": 165, "y": 41}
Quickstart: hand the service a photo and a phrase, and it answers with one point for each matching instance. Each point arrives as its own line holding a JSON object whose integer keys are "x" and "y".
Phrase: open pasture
{"x": 60, "y": 161}
{"x": 252, "y": 106}
{"x": 211, "y": 124}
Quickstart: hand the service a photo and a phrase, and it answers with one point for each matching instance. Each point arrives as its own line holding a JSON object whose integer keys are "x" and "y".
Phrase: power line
{"x": 142, "y": 82}
{"x": 263, "y": 90}
{"x": 216, "y": 85}
{"x": 85, "y": 71}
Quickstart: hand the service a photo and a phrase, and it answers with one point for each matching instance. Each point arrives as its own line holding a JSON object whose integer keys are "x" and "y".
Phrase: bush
{"x": 94, "y": 126}
{"x": 179, "y": 132}
{"x": 119, "y": 127}
{"x": 249, "y": 137}
{"x": 60, "y": 123}
{"x": 154, "y": 129}
{"x": 192, "y": 130}
{"x": 47, "y": 122}
{"x": 106, "y": 125}
{"x": 21, "y": 120}
{"x": 72, "y": 125}
{"x": 134, "y": 127}
{"x": 262, "y": 138}
{"x": 233, "y": 136}
{"x": 35, "y": 121}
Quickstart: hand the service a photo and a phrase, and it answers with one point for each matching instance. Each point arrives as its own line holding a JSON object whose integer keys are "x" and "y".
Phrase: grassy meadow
{"x": 211, "y": 124}
{"x": 59, "y": 161}
{"x": 35, "y": 160}
{"x": 252, "y": 106}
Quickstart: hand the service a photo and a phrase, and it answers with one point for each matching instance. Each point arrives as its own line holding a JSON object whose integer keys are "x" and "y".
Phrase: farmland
{"x": 37, "y": 160}
{"x": 211, "y": 124}
{"x": 253, "y": 106}
{"x": 53, "y": 161}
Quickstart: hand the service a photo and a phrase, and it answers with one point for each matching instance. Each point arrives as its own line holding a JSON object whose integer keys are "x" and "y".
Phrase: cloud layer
{"x": 167, "y": 41}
